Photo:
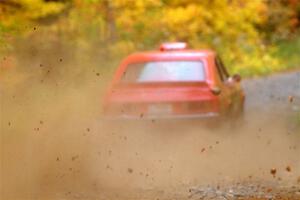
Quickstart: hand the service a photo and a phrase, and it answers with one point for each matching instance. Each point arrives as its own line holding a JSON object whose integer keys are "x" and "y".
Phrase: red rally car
{"x": 173, "y": 82}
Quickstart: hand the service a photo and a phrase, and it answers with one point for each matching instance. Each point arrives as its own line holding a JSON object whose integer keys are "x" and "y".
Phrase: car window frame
{"x": 223, "y": 73}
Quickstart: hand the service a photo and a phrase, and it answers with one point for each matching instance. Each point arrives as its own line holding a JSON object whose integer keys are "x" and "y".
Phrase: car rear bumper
{"x": 202, "y": 116}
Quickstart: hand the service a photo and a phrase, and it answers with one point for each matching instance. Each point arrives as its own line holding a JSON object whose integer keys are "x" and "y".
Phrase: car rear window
{"x": 164, "y": 71}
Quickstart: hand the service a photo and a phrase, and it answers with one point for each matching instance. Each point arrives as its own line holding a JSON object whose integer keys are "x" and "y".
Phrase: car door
{"x": 227, "y": 86}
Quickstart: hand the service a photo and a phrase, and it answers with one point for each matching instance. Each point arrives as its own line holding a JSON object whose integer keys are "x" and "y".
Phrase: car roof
{"x": 166, "y": 55}
{"x": 169, "y": 55}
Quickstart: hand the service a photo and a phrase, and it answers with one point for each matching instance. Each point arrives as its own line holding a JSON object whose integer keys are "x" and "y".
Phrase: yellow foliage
{"x": 122, "y": 26}
{"x": 35, "y": 9}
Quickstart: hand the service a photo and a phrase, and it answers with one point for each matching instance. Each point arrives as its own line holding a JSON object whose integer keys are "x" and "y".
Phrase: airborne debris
{"x": 273, "y": 171}
{"x": 291, "y": 99}
{"x": 269, "y": 190}
{"x": 74, "y": 157}
{"x": 130, "y": 170}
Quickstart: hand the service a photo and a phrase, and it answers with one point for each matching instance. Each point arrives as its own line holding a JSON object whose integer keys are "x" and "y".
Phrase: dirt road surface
{"x": 55, "y": 146}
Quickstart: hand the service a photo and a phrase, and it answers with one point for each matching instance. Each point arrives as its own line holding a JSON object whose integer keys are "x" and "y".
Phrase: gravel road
{"x": 271, "y": 94}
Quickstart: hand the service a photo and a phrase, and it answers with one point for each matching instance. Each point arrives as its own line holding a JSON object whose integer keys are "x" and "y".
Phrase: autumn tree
{"x": 244, "y": 32}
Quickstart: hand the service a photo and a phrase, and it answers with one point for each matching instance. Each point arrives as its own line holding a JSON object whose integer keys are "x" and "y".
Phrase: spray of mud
{"x": 54, "y": 144}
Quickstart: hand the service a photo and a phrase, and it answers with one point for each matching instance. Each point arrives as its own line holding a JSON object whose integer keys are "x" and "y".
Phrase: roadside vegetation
{"x": 254, "y": 37}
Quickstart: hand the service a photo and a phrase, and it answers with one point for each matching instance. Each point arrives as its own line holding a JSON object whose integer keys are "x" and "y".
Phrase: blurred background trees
{"x": 252, "y": 36}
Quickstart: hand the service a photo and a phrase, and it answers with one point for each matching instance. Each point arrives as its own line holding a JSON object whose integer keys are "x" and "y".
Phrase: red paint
{"x": 176, "y": 99}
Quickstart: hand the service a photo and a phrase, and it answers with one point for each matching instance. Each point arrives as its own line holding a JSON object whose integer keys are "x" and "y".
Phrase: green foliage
{"x": 288, "y": 52}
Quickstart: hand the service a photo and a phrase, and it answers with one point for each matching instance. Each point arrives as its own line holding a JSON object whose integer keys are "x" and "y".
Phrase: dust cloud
{"x": 55, "y": 144}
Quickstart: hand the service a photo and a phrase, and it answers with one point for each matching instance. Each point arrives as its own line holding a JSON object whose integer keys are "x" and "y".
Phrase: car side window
{"x": 221, "y": 69}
